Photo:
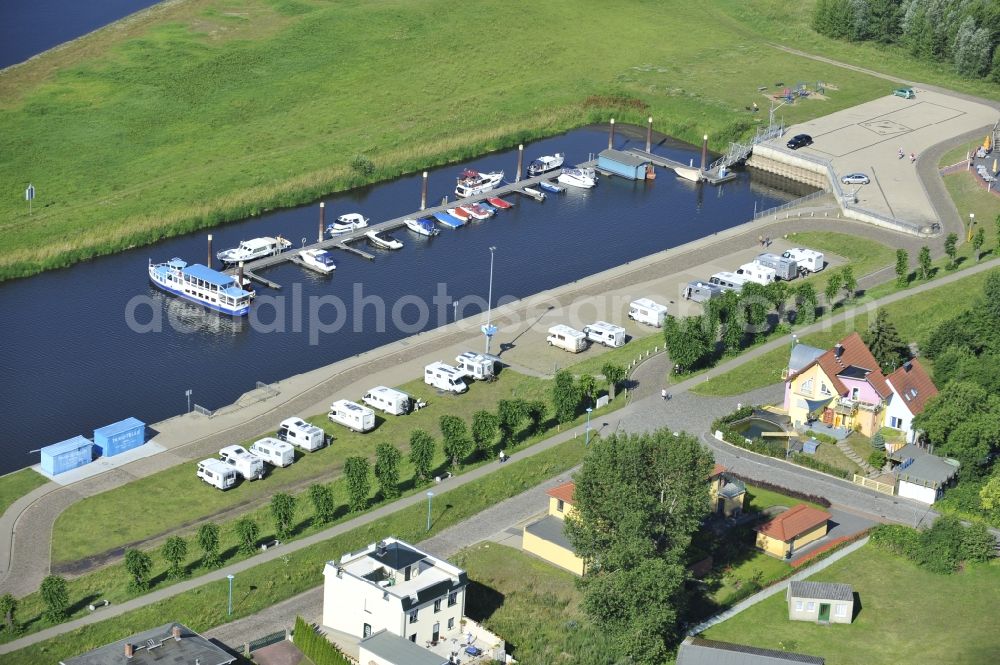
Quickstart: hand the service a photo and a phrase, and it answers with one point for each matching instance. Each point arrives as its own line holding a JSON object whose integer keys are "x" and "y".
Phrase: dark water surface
{"x": 70, "y": 362}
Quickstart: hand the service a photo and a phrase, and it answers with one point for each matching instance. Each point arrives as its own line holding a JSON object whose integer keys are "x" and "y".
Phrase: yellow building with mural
{"x": 546, "y": 537}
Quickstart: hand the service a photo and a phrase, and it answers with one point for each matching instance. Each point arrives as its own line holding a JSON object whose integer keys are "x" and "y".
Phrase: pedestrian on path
{"x": 913, "y": 157}
{"x": 503, "y": 457}
{"x": 760, "y": 240}
{"x": 663, "y": 394}
{"x": 900, "y": 153}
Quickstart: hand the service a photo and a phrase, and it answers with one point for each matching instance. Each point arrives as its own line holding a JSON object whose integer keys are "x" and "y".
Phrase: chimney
{"x": 129, "y": 650}
{"x": 176, "y": 632}
{"x": 838, "y": 350}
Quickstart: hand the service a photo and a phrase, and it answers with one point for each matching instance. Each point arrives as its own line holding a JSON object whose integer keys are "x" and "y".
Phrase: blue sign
{"x": 489, "y": 331}
{"x": 29, "y": 194}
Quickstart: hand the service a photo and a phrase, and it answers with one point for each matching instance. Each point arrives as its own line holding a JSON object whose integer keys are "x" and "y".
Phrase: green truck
{"x": 905, "y": 93}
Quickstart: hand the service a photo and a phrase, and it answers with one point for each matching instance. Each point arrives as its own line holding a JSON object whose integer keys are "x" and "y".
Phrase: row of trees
{"x": 964, "y": 33}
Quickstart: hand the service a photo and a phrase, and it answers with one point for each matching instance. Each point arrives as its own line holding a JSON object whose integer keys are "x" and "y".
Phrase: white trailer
{"x": 756, "y": 272}
{"x": 273, "y": 451}
{"x": 351, "y": 415}
{"x": 393, "y": 402}
{"x": 809, "y": 260}
{"x": 300, "y": 433}
{"x": 445, "y": 377}
{"x": 729, "y": 281}
{"x": 646, "y": 311}
{"x": 605, "y": 333}
{"x": 243, "y": 462}
{"x": 703, "y": 291}
{"x": 784, "y": 268}
{"x": 566, "y": 338}
{"x": 216, "y": 473}
{"x": 477, "y": 365}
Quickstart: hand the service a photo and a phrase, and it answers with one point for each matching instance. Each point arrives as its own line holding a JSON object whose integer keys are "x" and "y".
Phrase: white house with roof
{"x": 393, "y": 586}
{"x": 911, "y": 388}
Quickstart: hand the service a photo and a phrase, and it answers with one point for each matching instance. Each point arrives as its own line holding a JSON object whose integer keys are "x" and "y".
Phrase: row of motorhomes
{"x": 765, "y": 269}
{"x": 642, "y": 310}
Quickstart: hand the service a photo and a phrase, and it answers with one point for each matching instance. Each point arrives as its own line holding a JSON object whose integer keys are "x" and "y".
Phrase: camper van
{"x": 477, "y": 365}
{"x": 244, "y": 463}
{"x": 783, "y": 268}
{"x": 756, "y": 272}
{"x": 273, "y": 451}
{"x": 300, "y": 433}
{"x": 729, "y": 281}
{"x": 352, "y": 416}
{"x": 646, "y": 311}
{"x": 809, "y": 260}
{"x": 702, "y": 291}
{"x": 445, "y": 377}
{"x": 567, "y": 338}
{"x": 393, "y": 402}
{"x": 605, "y": 333}
{"x": 216, "y": 473}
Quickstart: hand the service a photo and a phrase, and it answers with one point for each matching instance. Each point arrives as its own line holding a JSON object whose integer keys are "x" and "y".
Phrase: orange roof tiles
{"x": 563, "y": 492}
{"x": 794, "y": 522}
{"x": 855, "y": 353}
{"x": 913, "y": 385}
{"x": 717, "y": 470}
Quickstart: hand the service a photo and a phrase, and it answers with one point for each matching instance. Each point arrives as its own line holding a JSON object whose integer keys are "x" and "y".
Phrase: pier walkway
{"x": 711, "y": 176}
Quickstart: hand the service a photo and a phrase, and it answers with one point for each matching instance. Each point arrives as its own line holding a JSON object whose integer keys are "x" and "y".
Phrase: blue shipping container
{"x": 621, "y": 163}
{"x": 66, "y": 455}
{"x": 119, "y": 437}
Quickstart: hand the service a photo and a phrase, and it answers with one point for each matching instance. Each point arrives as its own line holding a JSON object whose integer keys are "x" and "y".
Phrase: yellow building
{"x": 794, "y": 528}
{"x": 726, "y": 494}
{"x": 546, "y": 538}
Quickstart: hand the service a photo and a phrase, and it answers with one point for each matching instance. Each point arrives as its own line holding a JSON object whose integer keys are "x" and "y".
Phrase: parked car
{"x": 855, "y": 179}
{"x": 799, "y": 141}
{"x": 905, "y": 93}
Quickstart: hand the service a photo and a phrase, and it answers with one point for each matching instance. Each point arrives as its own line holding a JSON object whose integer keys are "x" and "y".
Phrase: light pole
{"x": 430, "y": 498}
{"x": 972, "y": 223}
{"x": 588, "y": 425}
{"x": 489, "y": 330}
{"x": 230, "y": 577}
{"x": 187, "y": 393}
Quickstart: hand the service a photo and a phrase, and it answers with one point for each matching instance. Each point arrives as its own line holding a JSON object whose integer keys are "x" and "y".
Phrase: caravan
{"x": 393, "y": 402}
{"x": 702, "y": 291}
{"x": 300, "y": 433}
{"x": 783, "y": 268}
{"x": 246, "y": 464}
{"x": 274, "y": 452}
{"x": 567, "y": 338}
{"x": 216, "y": 473}
{"x": 646, "y": 311}
{"x": 606, "y": 333}
{"x": 756, "y": 272}
{"x": 445, "y": 377}
{"x": 809, "y": 260}
{"x": 477, "y": 365}
{"x": 729, "y": 281}
{"x": 352, "y": 416}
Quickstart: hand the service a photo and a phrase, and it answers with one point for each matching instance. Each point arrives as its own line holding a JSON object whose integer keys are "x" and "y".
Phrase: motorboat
{"x": 585, "y": 178}
{"x": 500, "y": 203}
{"x": 459, "y": 213}
{"x": 203, "y": 285}
{"x": 692, "y": 174}
{"x": 319, "y": 260}
{"x": 347, "y": 223}
{"x": 551, "y": 187}
{"x": 477, "y": 211}
{"x": 422, "y": 226}
{"x": 534, "y": 193}
{"x": 256, "y": 248}
{"x": 473, "y": 183}
{"x": 487, "y": 207}
{"x": 450, "y": 221}
{"x": 383, "y": 240}
{"x": 546, "y": 164}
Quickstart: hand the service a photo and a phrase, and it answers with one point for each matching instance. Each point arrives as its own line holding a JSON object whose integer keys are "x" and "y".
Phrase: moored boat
{"x": 551, "y": 187}
{"x": 347, "y": 223}
{"x": 500, "y": 203}
{"x": 383, "y": 240}
{"x": 422, "y": 226}
{"x": 546, "y": 164}
{"x": 692, "y": 174}
{"x": 487, "y": 207}
{"x": 200, "y": 284}
{"x": 255, "y": 248}
{"x": 534, "y": 193}
{"x": 477, "y": 211}
{"x": 585, "y": 178}
{"x": 459, "y": 213}
{"x": 318, "y": 259}
{"x": 472, "y": 183}
{"x": 450, "y": 221}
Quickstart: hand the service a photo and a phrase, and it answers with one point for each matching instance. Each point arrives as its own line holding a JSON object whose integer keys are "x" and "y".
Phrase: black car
{"x": 800, "y": 141}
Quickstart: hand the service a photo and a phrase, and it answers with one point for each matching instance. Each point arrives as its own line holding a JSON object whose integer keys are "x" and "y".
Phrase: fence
{"x": 791, "y": 204}
{"x": 198, "y": 408}
{"x": 884, "y": 488}
{"x": 268, "y": 388}
{"x": 266, "y": 641}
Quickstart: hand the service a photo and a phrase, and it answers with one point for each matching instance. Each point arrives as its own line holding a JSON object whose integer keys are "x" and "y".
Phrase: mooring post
{"x": 423, "y": 192}
{"x": 209, "y": 261}
{"x": 322, "y": 219}
{"x": 239, "y": 273}
{"x": 649, "y": 134}
{"x": 520, "y": 161}
{"x": 611, "y": 134}
{"x": 704, "y": 151}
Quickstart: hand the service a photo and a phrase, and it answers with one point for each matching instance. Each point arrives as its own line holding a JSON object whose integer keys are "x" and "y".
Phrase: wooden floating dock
{"x": 354, "y": 250}
{"x": 712, "y": 177}
{"x": 249, "y": 274}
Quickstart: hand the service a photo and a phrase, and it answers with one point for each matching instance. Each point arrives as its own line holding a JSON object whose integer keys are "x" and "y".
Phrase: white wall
{"x": 923, "y": 494}
{"x": 897, "y": 409}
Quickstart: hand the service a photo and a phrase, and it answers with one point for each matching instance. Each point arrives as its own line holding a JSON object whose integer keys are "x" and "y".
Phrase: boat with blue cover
{"x": 448, "y": 220}
{"x": 422, "y": 226}
{"x": 551, "y": 187}
{"x": 197, "y": 283}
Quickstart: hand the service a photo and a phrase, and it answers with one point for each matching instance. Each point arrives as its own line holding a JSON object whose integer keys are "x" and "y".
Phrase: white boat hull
{"x": 585, "y": 179}
{"x": 311, "y": 259}
{"x": 692, "y": 174}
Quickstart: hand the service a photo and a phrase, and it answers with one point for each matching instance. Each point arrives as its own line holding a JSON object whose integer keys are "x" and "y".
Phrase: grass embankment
{"x": 205, "y": 111}
{"x": 906, "y": 615}
{"x": 274, "y": 581}
{"x": 15, "y": 485}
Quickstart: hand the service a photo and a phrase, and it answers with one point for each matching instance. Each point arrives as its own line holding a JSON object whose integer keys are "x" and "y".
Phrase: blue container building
{"x": 121, "y": 436}
{"x": 66, "y": 455}
{"x": 809, "y": 446}
{"x": 623, "y": 164}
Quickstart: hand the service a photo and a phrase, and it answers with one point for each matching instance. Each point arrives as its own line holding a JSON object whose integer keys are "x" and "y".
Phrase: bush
{"x": 895, "y": 538}
{"x": 795, "y": 494}
{"x": 877, "y": 459}
{"x": 822, "y": 438}
{"x": 939, "y": 549}
{"x": 813, "y": 463}
{"x": 978, "y": 544}
{"x": 316, "y": 648}
{"x": 738, "y": 414}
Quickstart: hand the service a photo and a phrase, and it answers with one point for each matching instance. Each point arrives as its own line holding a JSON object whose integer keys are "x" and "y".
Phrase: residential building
{"x": 385, "y": 648}
{"x": 820, "y": 602}
{"x": 170, "y": 643}
{"x": 911, "y": 387}
{"x": 921, "y": 475}
{"x": 796, "y": 527}
{"x": 698, "y": 651}
{"x": 393, "y": 586}
{"x": 726, "y": 493}
{"x": 546, "y": 537}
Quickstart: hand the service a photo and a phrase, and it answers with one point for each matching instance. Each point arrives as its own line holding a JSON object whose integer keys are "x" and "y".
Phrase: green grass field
{"x": 907, "y": 615}
{"x": 204, "y": 111}
{"x": 15, "y": 485}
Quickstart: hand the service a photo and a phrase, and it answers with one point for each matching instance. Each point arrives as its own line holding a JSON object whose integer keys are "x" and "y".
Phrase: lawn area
{"x": 15, "y": 485}
{"x": 828, "y": 453}
{"x": 907, "y": 615}
{"x": 862, "y": 445}
{"x": 128, "y": 134}
{"x": 863, "y": 255}
{"x": 758, "y": 569}
{"x": 759, "y": 499}
{"x": 635, "y": 348}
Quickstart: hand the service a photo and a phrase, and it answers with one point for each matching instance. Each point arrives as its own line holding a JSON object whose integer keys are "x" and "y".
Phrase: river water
{"x": 71, "y": 361}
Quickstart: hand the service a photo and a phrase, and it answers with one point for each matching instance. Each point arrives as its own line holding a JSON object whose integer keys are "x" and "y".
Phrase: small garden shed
{"x": 820, "y": 602}
{"x": 623, "y": 164}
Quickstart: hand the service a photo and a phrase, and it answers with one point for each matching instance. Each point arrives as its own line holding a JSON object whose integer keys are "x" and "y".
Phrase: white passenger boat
{"x": 347, "y": 223}
{"x": 422, "y": 226}
{"x": 585, "y": 178}
{"x": 318, "y": 259}
{"x": 546, "y": 164}
{"x": 692, "y": 174}
{"x": 256, "y": 248}
{"x": 474, "y": 183}
{"x": 383, "y": 240}
{"x": 197, "y": 283}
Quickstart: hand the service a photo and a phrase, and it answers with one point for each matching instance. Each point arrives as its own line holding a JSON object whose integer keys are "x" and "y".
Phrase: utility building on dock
{"x": 624, "y": 164}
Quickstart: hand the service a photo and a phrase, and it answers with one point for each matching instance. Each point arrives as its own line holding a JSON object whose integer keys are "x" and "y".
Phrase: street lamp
{"x": 187, "y": 393}
{"x": 430, "y": 498}
{"x": 230, "y": 577}
{"x": 588, "y": 425}
{"x": 490, "y": 330}
{"x": 972, "y": 223}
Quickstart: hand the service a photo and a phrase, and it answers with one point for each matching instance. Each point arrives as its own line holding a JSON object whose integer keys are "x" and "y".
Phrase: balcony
{"x": 853, "y": 404}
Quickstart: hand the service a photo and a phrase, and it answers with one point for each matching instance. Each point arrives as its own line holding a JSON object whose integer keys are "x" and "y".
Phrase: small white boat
{"x": 585, "y": 178}
{"x": 318, "y": 259}
{"x": 383, "y": 240}
{"x": 472, "y": 183}
{"x": 347, "y": 223}
{"x": 534, "y": 193}
{"x": 546, "y": 164}
{"x": 256, "y": 248}
{"x": 422, "y": 226}
{"x": 692, "y": 174}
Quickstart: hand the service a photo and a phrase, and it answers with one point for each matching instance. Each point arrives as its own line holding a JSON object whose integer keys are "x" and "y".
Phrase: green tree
{"x": 777, "y": 293}
{"x": 877, "y": 459}
{"x": 884, "y": 342}
{"x": 688, "y": 342}
{"x": 805, "y": 304}
{"x": 963, "y": 421}
{"x": 510, "y": 414}
{"x": 833, "y": 285}
{"x": 978, "y": 544}
{"x": 996, "y": 229}
{"x": 208, "y": 543}
{"x": 951, "y": 249}
{"x": 849, "y": 282}
{"x": 138, "y": 564}
{"x": 485, "y": 427}
{"x": 324, "y": 506}
{"x": 878, "y": 441}
{"x": 565, "y": 396}
{"x": 989, "y": 494}
{"x": 55, "y": 595}
{"x": 457, "y": 442}
{"x": 978, "y": 240}
{"x": 537, "y": 410}
{"x": 614, "y": 374}
{"x": 283, "y": 507}
{"x": 247, "y": 532}
{"x": 733, "y": 326}
{"x": 902, "y": 268}
{"x": 924, "y": 263}
{"x": 588, "y": 387}
{"x": 175, "y": 551}
{"x": 357, "y": 475}
{"x": 387, "y": 460}
{"x": 8, "y": 610}
{"x": 421, "y": 454}
{"x": 991, "y": 293}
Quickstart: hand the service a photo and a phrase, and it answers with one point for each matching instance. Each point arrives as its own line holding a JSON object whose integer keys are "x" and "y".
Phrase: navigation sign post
{"x": 29, "y": 196}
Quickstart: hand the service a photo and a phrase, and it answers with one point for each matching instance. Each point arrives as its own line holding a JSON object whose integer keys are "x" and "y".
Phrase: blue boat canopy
{"x": 206, "y": 274}
{"x": 234, "y": 292}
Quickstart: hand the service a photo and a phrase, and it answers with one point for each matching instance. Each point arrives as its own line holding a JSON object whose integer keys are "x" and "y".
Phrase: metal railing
{"x": 198, "y": 408}
{"x": 740, "y": 151}
{"x": 791, "y": 204}
{"x": 268, "y": 388}
{"x": 266, "y": 641}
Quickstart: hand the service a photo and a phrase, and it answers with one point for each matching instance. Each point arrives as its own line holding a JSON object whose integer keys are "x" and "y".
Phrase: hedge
{"x": 795, "y": 494}
{"x": 813, "y": 463}
{"x": 316, "y": 647}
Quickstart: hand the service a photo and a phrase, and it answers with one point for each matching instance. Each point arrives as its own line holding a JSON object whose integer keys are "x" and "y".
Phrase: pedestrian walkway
{"x": 845, "y": 448}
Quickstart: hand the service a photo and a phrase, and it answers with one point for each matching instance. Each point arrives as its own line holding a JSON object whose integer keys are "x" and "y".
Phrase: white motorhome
{"x": 300, "y": 433}
{"x": 703, "y": 291}
{"x": 729, "y": 280}
{"x": 646, "y": 311}
{"x": 784, "y": 268}
{"x": 756, "y": 272}
{"x": 217, "y": 473}
{"x": 809, "y": 260}
{"x": 567, "y": 338}
{"x": 245, "y": 463}
{"x": 393, "y": 402}
{"x": 445, "y": 377}
{"x": 351, "y": 415}
{"x": 273, "y": 451}
{"x": 605, "y": 333}
{"x": 476, "y": 365}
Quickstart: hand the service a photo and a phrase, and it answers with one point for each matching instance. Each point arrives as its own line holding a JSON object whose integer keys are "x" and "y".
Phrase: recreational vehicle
{"x": 477, "y": 365}
{"x": 783, "y": 268}
{"x": 756, "y": 272}
{"x": 567, "y": 338}
{"x": 216, "y": 473}
{"x": 809, "y": 260}
{"x": 445, "y": 377}
{"x": 246, "y": 464}
{"x": 605, "y": 333}
{"x": 273, "y": 451}
{"x": 702, "y": 291}
{"x": 352, "y": 416}
{"x": 393, "y": 402}
{"x": 646, "y": 311}
{"x": 300, "y": 433}
{"x": 729, "y": 281}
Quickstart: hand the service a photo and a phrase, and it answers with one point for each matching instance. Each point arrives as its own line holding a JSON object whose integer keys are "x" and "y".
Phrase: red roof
{"x": 852, "y": 352}
{"x": 794, "y": 522}
{"x": 717, "y": 470}
{"x": 563, "y": 492}
{"x": 913, "y": 385}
